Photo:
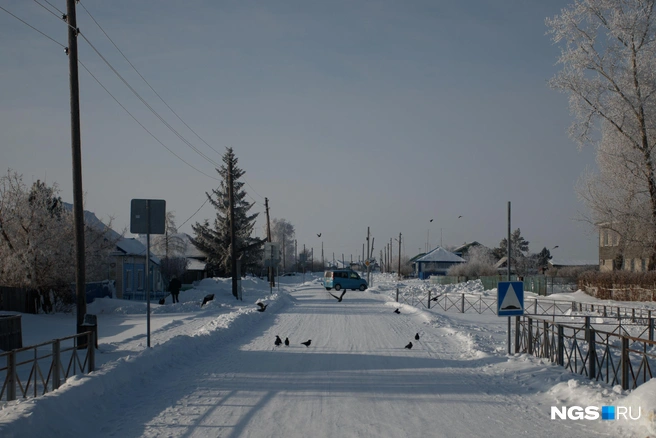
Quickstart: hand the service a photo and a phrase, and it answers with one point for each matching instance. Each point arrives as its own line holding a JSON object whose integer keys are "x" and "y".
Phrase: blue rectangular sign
{"x": 510, "y": 298}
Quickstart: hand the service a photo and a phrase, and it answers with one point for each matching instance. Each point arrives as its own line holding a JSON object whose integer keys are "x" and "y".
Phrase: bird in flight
{"x": 397, "y": 311}
{"x": 278, "y": 340}
{"x": 431, "y": 220}
{"x": 319, "y": 235}
{"x": 287, "y": 342}
{"x": 409, "y": 346}
{"x": 417, "y": 337}
{"x": 339, "y": 298}
{"x": 307, "y": 343}
{"x": 459, "y": 217}
{"x": 262, "y": 307}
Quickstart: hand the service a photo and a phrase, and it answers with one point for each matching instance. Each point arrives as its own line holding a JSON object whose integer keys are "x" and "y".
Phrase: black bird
{"x": 262, "y": 307}
{"x": 319, "y": 235}
{"x": 307, "y": 343}
{"x": 435, "y": 298}
{"x": 278, "y": 341}
{"x": 339, "y": 298}
{"x": 409, "y": 346}
{"x": 397, "y": 311}
{"x": 287, "y": 342}
{"x": 431, "y": 220}
{"x": 417, "y": 337}
{"x": 459, "y": 217}
{"x": 207, "y": 299}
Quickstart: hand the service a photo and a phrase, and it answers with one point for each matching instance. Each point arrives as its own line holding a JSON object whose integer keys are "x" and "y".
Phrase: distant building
{"x": 617, "y": 254}
{"x": 435, "y": 262}
{"x": 129, "y": 271}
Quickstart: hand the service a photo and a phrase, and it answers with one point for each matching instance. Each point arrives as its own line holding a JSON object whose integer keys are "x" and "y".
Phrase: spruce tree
{"x": 214, "y": 239}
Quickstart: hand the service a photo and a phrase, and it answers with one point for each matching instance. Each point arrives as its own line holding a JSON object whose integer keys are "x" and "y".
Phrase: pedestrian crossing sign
{"x": 510, "y": 298}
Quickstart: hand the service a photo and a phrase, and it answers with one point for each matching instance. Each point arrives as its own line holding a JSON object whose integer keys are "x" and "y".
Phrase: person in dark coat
{"x": 174, "y": 288}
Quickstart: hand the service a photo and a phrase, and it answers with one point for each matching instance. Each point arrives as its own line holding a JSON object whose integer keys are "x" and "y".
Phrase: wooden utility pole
{"x": 233, "y": 240}
{"x": 76, "y": 146}
{"x": 390, "y": 255}
{"x": 272, "y": 281}
{"x": 368, "y": 279}
{"x": 399, "y": 273}
{"x": 283, "y": 252}
{"x": 323, "y": 265}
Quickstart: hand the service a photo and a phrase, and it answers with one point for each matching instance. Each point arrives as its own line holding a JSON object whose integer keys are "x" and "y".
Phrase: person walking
{"x": 174, "y": 288}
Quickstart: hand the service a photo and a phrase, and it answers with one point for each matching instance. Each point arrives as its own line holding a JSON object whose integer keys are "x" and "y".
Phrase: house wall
{"x": 636, "y": 258}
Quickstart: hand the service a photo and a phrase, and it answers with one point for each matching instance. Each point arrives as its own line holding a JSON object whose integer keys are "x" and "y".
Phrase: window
{"x": 605, "y": 237}
{"x": 643, "y": 262}
{"x": 140, "y": 279}
{"x": 632, "y": 265}
{"x": 128, "y": 281}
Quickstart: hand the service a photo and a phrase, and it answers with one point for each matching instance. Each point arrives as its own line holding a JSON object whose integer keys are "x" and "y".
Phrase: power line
{"x": 150, "y": 108}
{"x": 140, "y": 124}
{"x": 46, "y": 8}
{"x": 32, "y": 27}
{"x": 207, "y": 199}
{"x": 147, "y": 83}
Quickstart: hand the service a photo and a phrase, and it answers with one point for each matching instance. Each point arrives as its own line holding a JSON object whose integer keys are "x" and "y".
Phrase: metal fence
{"x": 38, "y": 369}
{"x": 539, "y": 284}
{"x": 610, "y": 357}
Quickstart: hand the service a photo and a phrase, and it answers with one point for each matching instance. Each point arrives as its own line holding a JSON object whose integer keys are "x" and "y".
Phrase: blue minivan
{"x": 343, "y": 279}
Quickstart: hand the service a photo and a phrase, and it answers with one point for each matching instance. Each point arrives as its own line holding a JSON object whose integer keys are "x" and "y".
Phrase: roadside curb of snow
{"x": 82, "y": 391}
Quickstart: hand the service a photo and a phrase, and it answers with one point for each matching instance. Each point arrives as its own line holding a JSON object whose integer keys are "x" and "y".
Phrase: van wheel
{"x": 328, "y": 288}
{"x": 337, "y": 287}
{"x": 362, "y": 287}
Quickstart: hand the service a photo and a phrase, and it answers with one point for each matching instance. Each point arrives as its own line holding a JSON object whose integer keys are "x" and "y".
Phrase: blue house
{"x": 435, "y": 262}
{"x": 130, "y": 265}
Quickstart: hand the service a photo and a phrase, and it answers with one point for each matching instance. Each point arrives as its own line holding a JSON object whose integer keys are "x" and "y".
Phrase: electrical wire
{"x": 46, "y": 8}
{"x": 32, "y": 27}
{"x": 150, "y": 86}
{"x": 140, "y": 124}
{"x": 207, "y": 199}
{"x": 150, "y": 108}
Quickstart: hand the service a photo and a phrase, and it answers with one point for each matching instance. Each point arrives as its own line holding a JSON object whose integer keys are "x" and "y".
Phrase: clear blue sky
{"x": 345, "y": 114}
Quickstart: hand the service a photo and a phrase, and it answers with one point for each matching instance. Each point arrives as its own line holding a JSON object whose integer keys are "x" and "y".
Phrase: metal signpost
{"x": 148, "y": 216}
{"x": 271, "y": 257}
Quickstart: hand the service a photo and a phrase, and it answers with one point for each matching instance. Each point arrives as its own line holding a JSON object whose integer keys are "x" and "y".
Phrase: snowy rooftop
{"x": 440, "y": 254}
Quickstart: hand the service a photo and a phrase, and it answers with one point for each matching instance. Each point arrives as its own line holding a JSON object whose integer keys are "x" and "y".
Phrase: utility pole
{"x": 76, "y": 147}
{"x": 283, "y": 253}
{"x": 233, "y": 240}
{"x": 368, "y": 280}
{"x": 295, "y": 256}
{"x": 399, "y": 273}
{"x": 270, "y": 269}
{"x": 322, "y": 263}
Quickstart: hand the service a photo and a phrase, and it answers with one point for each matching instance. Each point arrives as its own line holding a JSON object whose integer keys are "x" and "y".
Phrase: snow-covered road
{"x": 356, "y": 379}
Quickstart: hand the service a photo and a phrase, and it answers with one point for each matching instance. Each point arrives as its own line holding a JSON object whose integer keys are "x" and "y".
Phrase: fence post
{"x": 397, "y": 293}
{"x": 605, "y": 311}
{"x": 651, "y": 326}
{"x": 11, "y": 376}
{"x": 529, "y": 346}
{"x": 625, "y": 363}
{"x": 580, "y": 307}
{"x": 429, "y": 297}
{"x": 587, "y": 328}
{"x": 561, "y": 346}
{"x": 517, "y": 328}
{"x": 56, "y": 364}
{"x": 535, "y": 306}
{"x": 573, "y": 306}
{"x": 545, "y": 343}
{"x": 462, "y": 304}
{"x": 91, "y": 351}
{"x": 632, "y": 315}
{"x": 618, "y": 311}
{"x": 592, "y": 354}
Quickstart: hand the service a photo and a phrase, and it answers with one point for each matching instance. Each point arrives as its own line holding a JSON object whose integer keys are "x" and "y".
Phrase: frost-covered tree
{"x": 480, "y": 262}
{"x": 36, "y": 238}
{"x": 171, "y": 243}
{"x": 609, "y": 71}
{"x": 283, "y": 232}
{"x": 214, "y": 239}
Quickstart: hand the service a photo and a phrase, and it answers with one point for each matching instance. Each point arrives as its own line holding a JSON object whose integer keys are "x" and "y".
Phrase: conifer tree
{"x": 214, "y": 239}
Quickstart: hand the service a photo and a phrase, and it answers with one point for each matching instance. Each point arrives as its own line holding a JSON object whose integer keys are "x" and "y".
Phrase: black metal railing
{"x": 610, "y": 357}
{"x": 38, "y": 369}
